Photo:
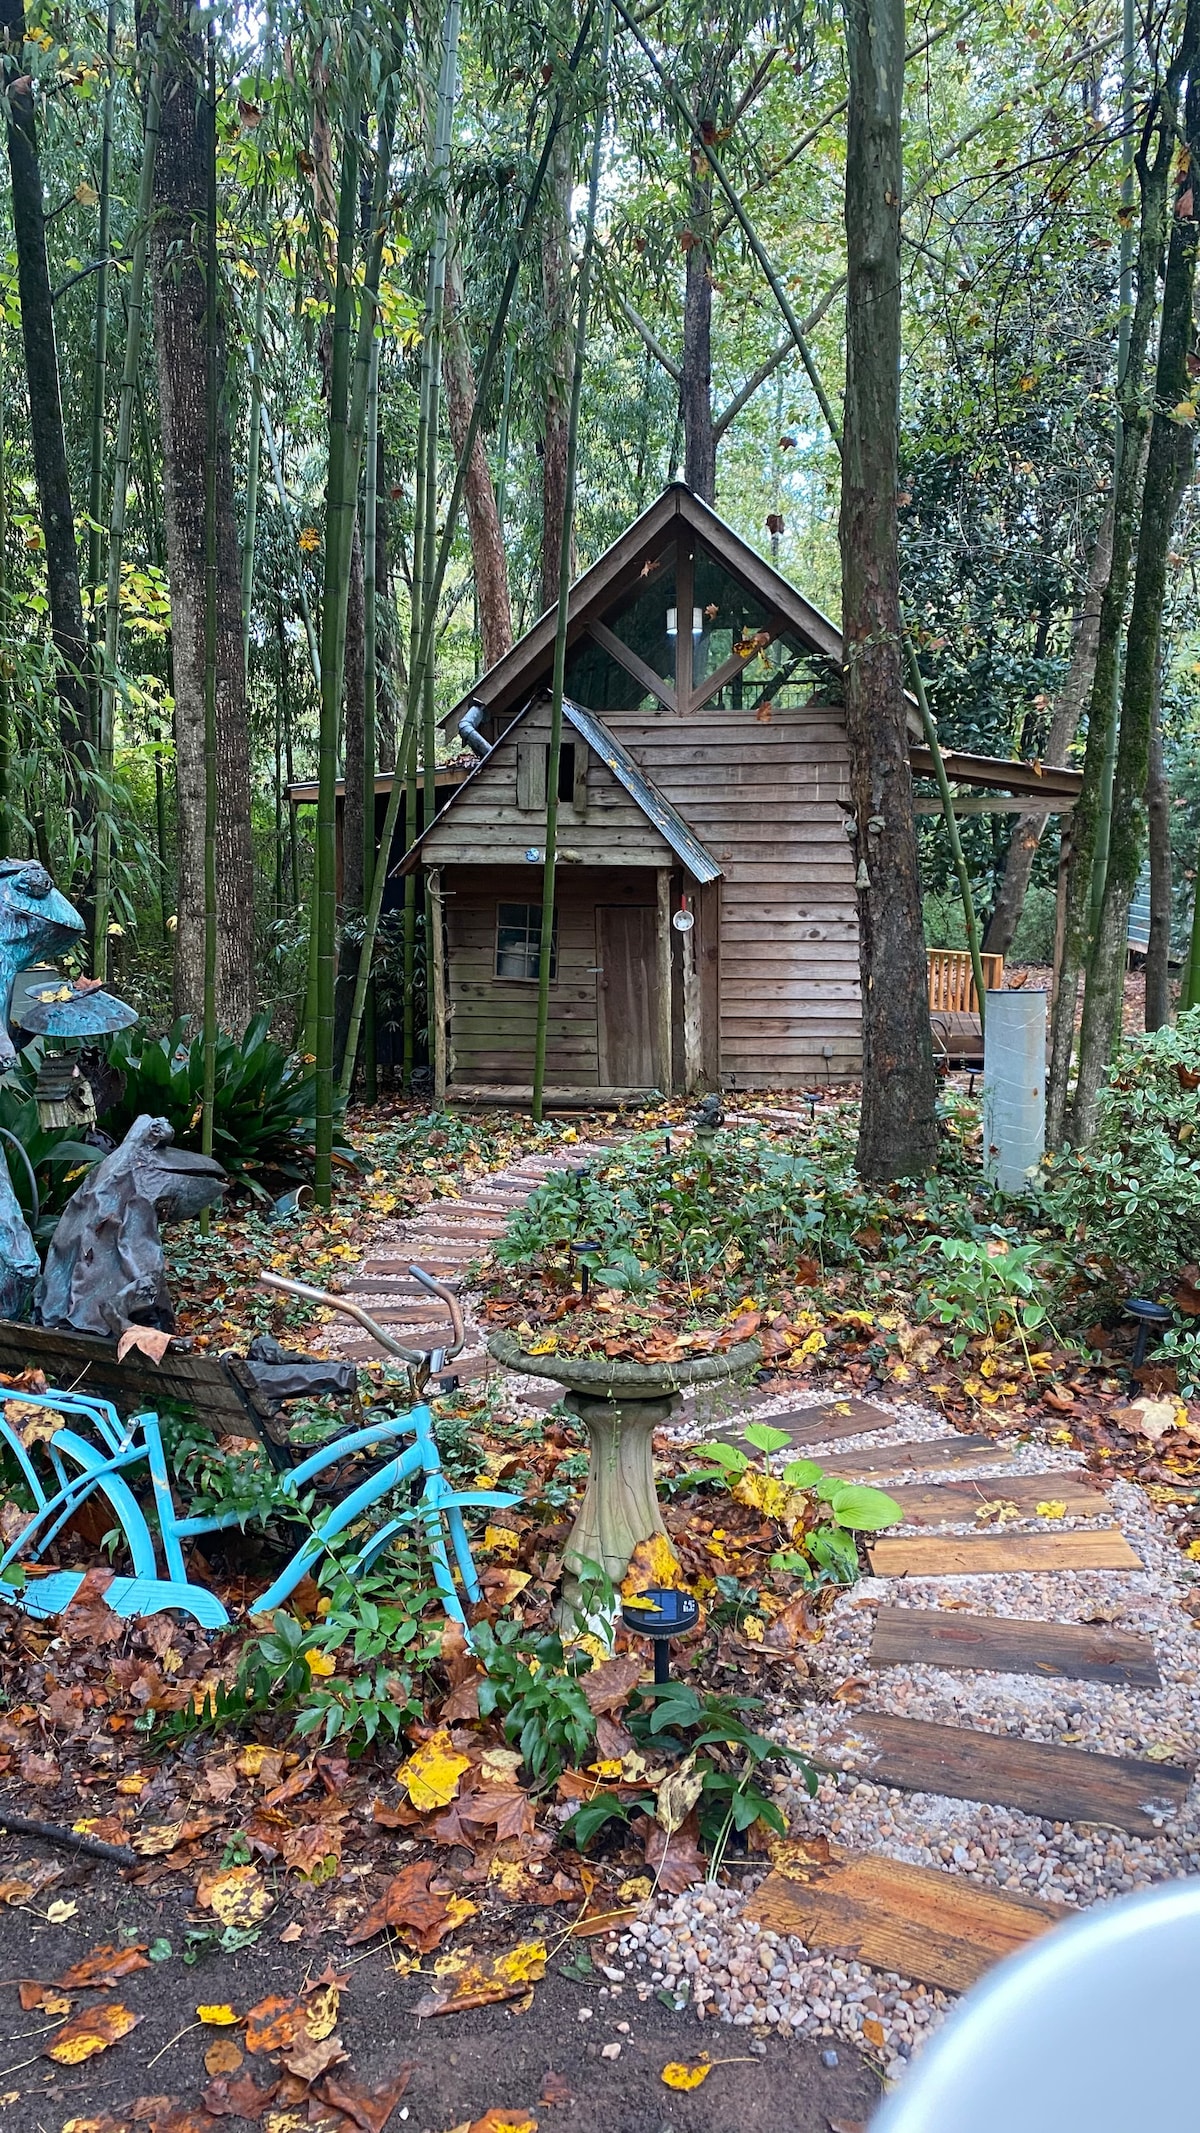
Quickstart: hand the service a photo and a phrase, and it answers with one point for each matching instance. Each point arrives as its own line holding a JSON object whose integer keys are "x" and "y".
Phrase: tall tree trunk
{"x": 898, "y": 1133}
{"x": 45, "y": 399}
{"x": 177, "y": 266}
{"x": 695, "y": 384}
{"x": 1126, "y": 484}
{"x": 556, "y": 297}
{"x": 1168, "y": 468}
{"x": 483, "y": 517}
{"x": 1028, "y": 830}
{"x": 1158, "y": 825}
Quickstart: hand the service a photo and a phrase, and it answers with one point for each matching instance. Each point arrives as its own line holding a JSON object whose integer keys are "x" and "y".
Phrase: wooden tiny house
{"x": 705, "y": 913}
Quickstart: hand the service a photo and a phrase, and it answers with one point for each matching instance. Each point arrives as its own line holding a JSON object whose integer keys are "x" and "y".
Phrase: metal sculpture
{"x": 36, "y": 921}
{"x": 104, "y": 1267}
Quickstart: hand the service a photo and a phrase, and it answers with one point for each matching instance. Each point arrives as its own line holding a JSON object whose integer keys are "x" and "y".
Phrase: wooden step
{"x": 938, "y": 1929}
{"x": 1042, "y": 1778}
{"x": 977, "y": 1554}
{"x": 956, "y": 1503}
{"x": 820, "y": 1425}
{"x": 1073, "y": 1651}
{"x": 956, "y": 1455}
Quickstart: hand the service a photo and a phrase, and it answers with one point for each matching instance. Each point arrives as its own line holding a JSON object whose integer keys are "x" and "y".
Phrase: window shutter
{"x": 531, "y": 775}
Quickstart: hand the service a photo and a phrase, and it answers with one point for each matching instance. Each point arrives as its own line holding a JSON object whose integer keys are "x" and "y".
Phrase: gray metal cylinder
{"x": 1014, "y": 1088}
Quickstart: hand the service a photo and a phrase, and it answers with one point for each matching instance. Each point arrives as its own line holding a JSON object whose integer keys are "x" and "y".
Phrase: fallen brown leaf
{"x": 104, "y": 1966}
{"x": 224, "y": 2056}
{"x": 42, "y": 1999}
{"x": 277, "y": 2023}
{"x": 371, "y": 2108}
{"x": 420, "y": 1915}
{"x": 556, "y": 2090}
{"x": 238, "y": 2099}
{"x": 310, "y": 2057}
{"x": 500, "y": 1977}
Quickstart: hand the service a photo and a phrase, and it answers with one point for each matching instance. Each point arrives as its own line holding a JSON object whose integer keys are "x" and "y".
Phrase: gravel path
{"x": 701, "y": 1943}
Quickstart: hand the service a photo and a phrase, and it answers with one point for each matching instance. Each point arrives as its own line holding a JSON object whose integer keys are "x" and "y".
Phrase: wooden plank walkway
{"x": 1073, "y": 1651}
{"x": 939, "y": 1929}
{"x": 1062, "y": 1784}
{"x": 980, "y": 1554}
{"x": 932, "y": 1455}
{"x": 954, "y": 1503}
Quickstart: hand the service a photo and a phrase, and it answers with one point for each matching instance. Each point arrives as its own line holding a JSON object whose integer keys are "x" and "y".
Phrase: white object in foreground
{"x": 1090, "y": 2029}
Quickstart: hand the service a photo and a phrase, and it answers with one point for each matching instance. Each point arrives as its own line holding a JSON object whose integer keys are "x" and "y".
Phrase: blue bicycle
{"x": 69, "y": 1449}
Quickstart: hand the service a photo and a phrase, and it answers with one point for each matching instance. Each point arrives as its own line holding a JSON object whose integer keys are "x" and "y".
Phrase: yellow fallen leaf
{"x": 677, "y": 2076}
{"x": 59, "y": 1911}
{"x": 1053, "y": 1509}
{"x": 433, "y": 1773}
{"x": 238, "y": 1895}
{"x": 636, "y": 1889}
{"x": 321, "y": 1663}
{"x": 753, "y": 1628}
{"x": 218, "y": 2017}
{"x": 500, "y": 1540}
{"x": 252, "y": 1758}
{"x": 90, "y": 2032}
{"x": 1163, "y": 1751}
{"x": 321, "y": 2013}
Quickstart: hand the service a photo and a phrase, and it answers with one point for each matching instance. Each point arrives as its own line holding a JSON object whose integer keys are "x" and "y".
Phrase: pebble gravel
{"x": 701, "y": 1948}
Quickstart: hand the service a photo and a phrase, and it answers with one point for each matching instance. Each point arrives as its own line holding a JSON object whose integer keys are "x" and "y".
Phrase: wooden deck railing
{"x": 951, "y": 983}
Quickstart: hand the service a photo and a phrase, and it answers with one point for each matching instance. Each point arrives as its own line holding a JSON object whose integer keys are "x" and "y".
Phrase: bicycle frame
{"x": 139, "y": 1441}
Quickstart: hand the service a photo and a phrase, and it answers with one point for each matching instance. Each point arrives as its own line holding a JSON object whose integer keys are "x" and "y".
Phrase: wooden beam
{"x": 651, "y": 682}
{"x": 729, "y": 669}
{"x": 685, "y": 579}
{"x": 662, "y": 985}
{"x": 989, "y": 804}
{"x": 1045, "y": 782}
{"x": 438, "y": 979}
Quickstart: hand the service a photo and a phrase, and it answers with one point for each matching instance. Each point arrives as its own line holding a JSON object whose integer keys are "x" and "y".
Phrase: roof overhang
{"x": 1054, "y": 786}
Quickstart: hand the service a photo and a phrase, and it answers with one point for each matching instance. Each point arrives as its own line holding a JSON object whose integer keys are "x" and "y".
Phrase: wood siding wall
{"x": 492, "y": 1021}
{"x": 487, "y": 824}
{"x": 763, "y": 798}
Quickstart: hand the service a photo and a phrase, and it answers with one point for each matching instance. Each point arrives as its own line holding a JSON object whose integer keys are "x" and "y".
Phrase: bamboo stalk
{"x": 208, "y": 1107}
{"x": 289, "y": 516}
{"x": 339, "y": 517}
{"x": 495, "y": 341}
{"x": 122, "y": 454}
{"x": 254, "y": 449}
{"x": 100, "y": 367}
{"x": 550, "y": 855}
{"x": 370, "y": 636}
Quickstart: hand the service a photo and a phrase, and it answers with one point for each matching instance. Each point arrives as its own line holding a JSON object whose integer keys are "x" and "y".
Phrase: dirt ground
{"x": 462, "y": 2065}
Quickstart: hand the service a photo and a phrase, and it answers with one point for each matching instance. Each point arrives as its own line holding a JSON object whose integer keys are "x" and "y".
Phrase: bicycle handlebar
{"x": 309, "y": 1294}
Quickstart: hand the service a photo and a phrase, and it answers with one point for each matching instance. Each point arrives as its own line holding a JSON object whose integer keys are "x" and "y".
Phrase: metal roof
{"x": 656, "y": 808}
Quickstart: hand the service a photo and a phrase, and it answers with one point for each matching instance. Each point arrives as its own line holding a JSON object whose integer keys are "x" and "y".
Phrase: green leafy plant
{"x": 987, "y": 1286}
{"x": 265, "y": 1101}
{"x": 822, "y": 1531}
{"x": 533, "y": 1688}
{"x": 716, "y": 1761}
{"x": 1132, "y": 1196}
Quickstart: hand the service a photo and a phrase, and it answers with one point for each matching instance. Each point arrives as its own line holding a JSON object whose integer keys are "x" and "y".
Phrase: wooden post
{"x": 693, "y": 1057}
{"x": 663, "y": 981}
{"x": 437, "y": 980}
{"x": 685, "y": 579}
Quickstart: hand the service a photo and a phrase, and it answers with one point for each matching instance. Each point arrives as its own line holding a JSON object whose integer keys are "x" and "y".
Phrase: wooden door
{"x": 625, "y": 995}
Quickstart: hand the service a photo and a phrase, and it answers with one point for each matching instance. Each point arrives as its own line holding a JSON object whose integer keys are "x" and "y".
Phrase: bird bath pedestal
{"x": 620, "y": 1405}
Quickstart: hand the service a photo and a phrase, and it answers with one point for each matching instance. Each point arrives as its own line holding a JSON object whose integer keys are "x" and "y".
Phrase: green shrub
{"x": 1132, "y": 1196}
{"x": 265, "y": 1105}
{"x": 748, "y": 1208}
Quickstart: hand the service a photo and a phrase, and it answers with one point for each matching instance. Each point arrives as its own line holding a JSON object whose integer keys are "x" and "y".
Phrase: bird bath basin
{"x": 620, "y": 1405}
